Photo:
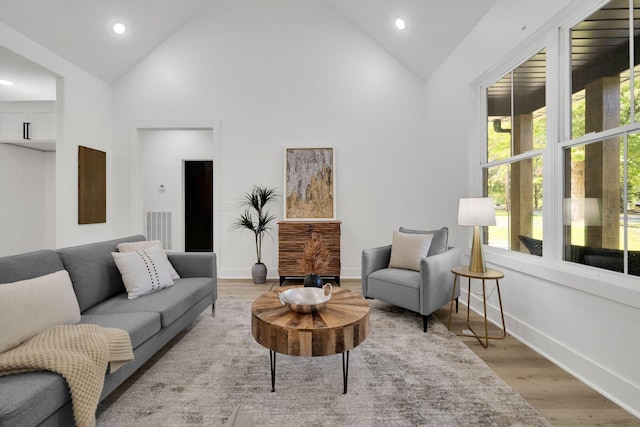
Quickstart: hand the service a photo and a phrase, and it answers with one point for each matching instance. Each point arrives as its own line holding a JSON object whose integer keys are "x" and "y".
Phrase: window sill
{"x": 613, "y": 286}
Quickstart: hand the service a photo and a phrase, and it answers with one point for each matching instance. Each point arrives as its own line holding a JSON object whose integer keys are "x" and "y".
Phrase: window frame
{"x": 555, "y": 38}
{"x": 509, "y": 65}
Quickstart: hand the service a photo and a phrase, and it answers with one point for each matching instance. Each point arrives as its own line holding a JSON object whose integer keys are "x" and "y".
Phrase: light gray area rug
{"x": 399, "y": 376}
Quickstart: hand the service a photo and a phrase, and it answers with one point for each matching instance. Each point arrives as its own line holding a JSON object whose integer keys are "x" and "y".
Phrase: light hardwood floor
{"x": 558, "y": 396}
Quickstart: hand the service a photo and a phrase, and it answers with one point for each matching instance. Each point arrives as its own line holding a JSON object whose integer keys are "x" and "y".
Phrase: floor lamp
{"x": 477, "y": 212}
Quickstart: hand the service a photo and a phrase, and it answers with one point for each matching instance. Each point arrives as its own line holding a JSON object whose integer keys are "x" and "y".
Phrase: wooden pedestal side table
{"x": 463, "y": 271}
{"x": 337, "y": 328}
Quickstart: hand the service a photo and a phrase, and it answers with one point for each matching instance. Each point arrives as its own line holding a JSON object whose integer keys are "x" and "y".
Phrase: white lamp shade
{"x": 477, "y": 211}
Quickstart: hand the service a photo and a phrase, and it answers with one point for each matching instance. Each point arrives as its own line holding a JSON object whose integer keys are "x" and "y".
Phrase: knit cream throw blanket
{"x": 80, "y": 354}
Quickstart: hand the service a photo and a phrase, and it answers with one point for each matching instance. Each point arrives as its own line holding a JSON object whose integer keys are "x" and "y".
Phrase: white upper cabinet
{"x": 43, "y": 125}
{"x": 24, "y": 122}
{"x": 11, "y": 124}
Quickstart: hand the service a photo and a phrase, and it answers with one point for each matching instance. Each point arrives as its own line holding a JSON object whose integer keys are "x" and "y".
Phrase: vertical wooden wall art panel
{"x": 92, "y": 186}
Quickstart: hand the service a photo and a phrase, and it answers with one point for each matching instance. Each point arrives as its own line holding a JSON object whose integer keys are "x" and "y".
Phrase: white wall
{"x": 163, "y": 154}
{"x": 583, "y": 319}
{"x": 49, "y": 165}
{"x": 289, "y": 73}
{"x": 27, "y": 190}
{"x": 84, "y": 118}
{"x": 27, "y": 211}
{"x": 22, "y": 208}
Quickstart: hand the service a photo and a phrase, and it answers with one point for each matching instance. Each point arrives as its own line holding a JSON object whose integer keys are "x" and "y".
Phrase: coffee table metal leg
{"x": 345, "y": 372}
{"x": 272, "y": 362}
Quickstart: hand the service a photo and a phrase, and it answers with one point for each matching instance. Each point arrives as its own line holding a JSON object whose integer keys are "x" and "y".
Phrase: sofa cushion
{"x": 140, "y": 326}
{"x": 29, "y": 265}
{"x": 397, "y": 276}
{"x": 93, "y": 272}
{"x": 397, "y": 286}
{"x": 136, "y": 246}
{"x": 439, "y": 243}
{"x": 28, "y": 307}
{"x": 171, "y": 302}
{"x": 408, "y": 249}
{"x": 29, "y": 398}
{"x": 144, "y": 271}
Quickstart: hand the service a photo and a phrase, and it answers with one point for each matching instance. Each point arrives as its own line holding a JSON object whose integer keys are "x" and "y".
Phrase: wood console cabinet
{"x": 293, "y": 235}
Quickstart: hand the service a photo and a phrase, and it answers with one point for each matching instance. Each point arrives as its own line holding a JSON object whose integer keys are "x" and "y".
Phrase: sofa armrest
{"x": 194, "y": 264}
{"x": 437, "y": 280}
{"x": 374, "y": 259}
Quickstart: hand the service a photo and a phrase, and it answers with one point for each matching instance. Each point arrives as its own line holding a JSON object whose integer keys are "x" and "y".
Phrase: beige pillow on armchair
{"x": 408, "y": 249}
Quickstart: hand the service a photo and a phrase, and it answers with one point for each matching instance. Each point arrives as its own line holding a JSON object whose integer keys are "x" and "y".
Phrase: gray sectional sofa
{"x": 42, "y": 398}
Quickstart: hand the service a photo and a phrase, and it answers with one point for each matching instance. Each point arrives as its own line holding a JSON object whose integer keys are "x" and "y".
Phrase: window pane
{"x": 529, "y": 112}
{"x": 499, "y": 119}
{"x": 577, "y": 114}
{"x": 593, "y": 214}
{"x": 497, "y": 184}
{"x": 600, "y": 70}
{"x": 516, "y": 189}
{"x": 516, "y": 110}
{"x": 625, "y": 96}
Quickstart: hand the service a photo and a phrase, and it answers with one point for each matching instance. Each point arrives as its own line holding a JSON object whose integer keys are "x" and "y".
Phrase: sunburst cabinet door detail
{"x": 293, "y": 235}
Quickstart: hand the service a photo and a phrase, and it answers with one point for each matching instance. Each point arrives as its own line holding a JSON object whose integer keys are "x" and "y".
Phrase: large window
{"x": 516, "y": 136}
{"x": 599, "y": 161}
{"x": 601, "y": 177}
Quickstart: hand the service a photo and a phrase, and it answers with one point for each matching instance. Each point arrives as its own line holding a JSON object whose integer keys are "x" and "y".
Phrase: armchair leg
{"x": 456, "y": 304}
{"x": 424, "y": 323}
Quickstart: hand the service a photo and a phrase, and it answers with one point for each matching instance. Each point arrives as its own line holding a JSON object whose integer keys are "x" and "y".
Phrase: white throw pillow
{"x": 28, "y": 307}
{"x": 144, "y": 271}
{"x": 408, "y": 249}
{"x": 146, "y": 244}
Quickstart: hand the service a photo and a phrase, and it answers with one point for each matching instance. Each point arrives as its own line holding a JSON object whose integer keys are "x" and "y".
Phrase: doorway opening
{"x": 160, "y": 150}
{"x": 198, "y": 206}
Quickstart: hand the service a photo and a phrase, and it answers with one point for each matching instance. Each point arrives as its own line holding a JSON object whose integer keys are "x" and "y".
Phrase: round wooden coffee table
{"x": 337, "y": 328}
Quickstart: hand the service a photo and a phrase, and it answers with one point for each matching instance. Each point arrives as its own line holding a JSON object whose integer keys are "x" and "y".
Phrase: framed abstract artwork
{"x": 309, "y": 184}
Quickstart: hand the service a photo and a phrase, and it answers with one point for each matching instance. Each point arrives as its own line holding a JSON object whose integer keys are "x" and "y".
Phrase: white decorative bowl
{"x": 306, "y": 300}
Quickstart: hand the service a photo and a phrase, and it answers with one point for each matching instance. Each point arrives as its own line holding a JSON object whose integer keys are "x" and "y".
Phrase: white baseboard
{"x": 244, "y": 273}
{"x": 350, "y": 273}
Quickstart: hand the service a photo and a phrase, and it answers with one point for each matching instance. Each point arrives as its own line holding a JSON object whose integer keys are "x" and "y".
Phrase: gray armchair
{"x": 422, "y": 291}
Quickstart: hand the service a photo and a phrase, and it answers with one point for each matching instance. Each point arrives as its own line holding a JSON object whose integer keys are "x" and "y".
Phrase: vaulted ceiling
{"x": 79, "y": 30}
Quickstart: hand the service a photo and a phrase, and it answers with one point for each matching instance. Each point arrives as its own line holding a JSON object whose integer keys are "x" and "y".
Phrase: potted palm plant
{"x": 257, "y": 219}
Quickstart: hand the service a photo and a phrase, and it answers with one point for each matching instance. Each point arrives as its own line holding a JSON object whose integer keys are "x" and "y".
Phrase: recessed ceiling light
{"x": 119, "y": 28}
{"x": 6, "y": 83}
{"x": 400, "y": 23}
